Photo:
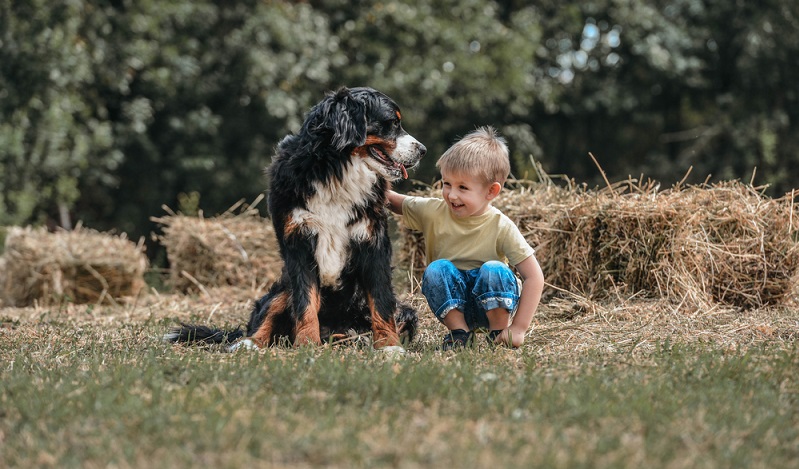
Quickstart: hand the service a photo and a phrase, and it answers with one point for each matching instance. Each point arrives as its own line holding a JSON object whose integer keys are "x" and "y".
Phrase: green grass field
{"x": 606, "y": 386}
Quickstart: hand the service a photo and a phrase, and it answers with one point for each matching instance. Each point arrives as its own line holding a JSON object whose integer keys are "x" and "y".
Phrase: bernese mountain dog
{"x": 327, "y": 196}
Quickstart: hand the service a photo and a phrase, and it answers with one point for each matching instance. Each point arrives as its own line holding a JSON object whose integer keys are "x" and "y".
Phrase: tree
{"x": 656, "y": 87}
{"x": 52, "y": 138}
{"x": 109, "y": 109}
{"x": 112, "y": 109}
{"x": 452, "y": 65}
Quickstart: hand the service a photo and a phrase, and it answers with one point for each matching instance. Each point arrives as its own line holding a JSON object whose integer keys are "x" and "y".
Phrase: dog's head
{"x": 365, "y": 123}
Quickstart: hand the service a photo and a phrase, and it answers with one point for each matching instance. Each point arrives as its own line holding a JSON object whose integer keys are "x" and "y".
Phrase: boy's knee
{"x": 494, "y": 266}
{"x": 497, "y": 286}
{"x": 438, "y": 269}
{"x": 496, "y": 271}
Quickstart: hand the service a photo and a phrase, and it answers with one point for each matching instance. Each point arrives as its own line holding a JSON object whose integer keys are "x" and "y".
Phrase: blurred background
{"x": 111, "y": 109}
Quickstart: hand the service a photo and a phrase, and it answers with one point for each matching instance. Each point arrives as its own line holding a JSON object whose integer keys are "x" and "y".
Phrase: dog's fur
{"x": 327, "y": 199}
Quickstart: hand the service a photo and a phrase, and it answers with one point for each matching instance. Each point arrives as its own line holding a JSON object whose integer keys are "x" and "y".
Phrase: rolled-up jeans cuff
{"x": 444, "y": 309}
{"x": 492, "y": 300}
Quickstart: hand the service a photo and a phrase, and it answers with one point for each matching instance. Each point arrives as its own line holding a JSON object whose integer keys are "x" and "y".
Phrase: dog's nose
{"x": 421, "y": 149}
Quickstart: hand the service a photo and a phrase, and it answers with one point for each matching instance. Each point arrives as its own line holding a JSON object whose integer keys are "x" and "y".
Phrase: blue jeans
{"x": 473, "y": 292}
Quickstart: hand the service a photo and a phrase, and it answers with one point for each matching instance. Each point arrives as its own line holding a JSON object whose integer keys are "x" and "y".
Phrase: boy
{"x": 467, "y": 283}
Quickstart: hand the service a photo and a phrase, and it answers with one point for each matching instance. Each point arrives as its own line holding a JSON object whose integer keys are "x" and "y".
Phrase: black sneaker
{"x": 457, "y": 338}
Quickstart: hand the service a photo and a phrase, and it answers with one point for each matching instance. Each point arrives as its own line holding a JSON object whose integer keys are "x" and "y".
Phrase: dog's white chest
{"x": 329, "y": 217}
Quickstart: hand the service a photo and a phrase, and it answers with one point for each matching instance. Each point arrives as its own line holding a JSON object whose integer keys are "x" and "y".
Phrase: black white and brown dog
{"x": 327, "y": 195}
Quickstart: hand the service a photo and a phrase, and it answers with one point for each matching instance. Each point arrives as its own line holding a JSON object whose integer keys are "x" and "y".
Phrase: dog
{"x": 326, "y": 201}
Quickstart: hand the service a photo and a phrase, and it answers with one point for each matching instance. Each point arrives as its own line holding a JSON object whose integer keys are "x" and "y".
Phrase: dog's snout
{"x": 416, "y": 147}
{"x": 409, "y": 150}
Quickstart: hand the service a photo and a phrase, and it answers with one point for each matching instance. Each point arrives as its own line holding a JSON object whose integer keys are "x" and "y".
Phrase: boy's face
{"x": 467, "y": 195}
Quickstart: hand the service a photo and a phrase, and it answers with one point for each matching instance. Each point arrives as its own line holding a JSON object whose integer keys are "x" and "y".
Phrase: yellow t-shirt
{"x": 467, "y": 242}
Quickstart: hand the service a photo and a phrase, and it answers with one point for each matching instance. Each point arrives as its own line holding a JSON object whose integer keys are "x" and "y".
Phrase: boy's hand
{"x": 510, "y": 337}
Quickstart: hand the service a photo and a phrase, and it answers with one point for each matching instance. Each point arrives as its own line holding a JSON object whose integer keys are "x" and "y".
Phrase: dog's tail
{"x": 192, "y": 334}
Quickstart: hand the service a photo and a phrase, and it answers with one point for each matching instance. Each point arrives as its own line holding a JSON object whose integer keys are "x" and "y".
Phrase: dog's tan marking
{"x": 290, "y": 226}
{"x": 387, "y": 145}
{"x": 263, "y": 336}
{"x": 384, "y": 333}
{"x": 307, "y": 329}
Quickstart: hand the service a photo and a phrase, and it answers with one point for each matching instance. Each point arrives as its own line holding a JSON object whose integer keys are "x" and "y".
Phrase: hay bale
{"x": 599, "y": 243}
{"x": 725, "y": 244}
{"x": 80, "y": 266}
{"x": 228, "y": 250}
{"x": 737, "y": 247}
{"x": 638, "y": 235}
{"x": 568, "y": 254}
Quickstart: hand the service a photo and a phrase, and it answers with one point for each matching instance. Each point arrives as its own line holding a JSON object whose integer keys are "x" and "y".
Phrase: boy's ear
{"x": 494, "y": 190}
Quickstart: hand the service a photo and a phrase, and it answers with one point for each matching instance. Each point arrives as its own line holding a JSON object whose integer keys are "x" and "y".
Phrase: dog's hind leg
{"x": 265, "y": 332}
{"x": 384, "y": 330}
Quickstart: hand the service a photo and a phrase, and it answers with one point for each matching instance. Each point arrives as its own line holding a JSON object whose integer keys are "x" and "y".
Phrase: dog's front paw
{"x": 244, "y": 344}
{"x": 392, "y": 350}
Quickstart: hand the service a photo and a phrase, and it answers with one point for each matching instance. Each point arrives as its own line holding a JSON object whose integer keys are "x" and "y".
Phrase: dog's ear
{"x": 345, "y": 117}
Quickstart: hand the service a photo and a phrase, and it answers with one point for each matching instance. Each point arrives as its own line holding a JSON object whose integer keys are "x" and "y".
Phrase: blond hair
{"x": 482, "y": 153}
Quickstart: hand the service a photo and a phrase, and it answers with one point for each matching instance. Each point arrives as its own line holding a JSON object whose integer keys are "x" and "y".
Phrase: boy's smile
{"x": 466, "y": 195}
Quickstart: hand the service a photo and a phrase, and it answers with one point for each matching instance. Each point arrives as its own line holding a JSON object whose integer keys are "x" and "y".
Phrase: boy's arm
{"x": 395, "y": 201}
{"x": 532, "y": 288}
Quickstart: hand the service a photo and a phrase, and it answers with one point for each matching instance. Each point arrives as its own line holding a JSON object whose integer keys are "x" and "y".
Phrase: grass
{"x": 95, "y": 387}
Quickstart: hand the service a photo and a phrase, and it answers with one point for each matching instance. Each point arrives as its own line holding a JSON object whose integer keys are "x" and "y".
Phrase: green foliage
{"x": 110, "y": 109}
{"x": 659, "y": 86}
{"x": 189, "y": 204}
{"x": 113, "y": 109}
{"x": 51, "y": 137}
{"x": 452, "y": 66}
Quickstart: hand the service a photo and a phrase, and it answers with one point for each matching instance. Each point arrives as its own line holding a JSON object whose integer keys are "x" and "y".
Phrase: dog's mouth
{"x": 380, "y": 155}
